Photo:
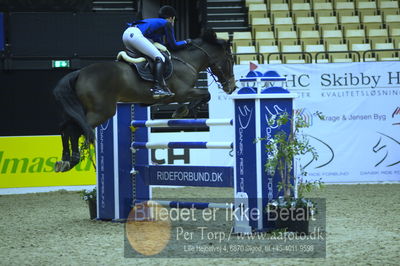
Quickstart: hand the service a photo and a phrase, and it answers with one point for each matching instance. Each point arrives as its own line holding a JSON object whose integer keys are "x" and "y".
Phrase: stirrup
{"x": 159, "y": 93}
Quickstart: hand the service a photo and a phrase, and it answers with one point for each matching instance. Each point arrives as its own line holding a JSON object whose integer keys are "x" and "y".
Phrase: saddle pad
{"x": 145, "y": 69}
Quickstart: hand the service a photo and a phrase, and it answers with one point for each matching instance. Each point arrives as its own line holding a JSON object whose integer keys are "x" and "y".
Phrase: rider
{"x": 141, "y": 35}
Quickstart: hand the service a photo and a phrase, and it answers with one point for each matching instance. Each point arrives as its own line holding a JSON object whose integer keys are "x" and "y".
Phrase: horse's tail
{"x": 65, "y": 94}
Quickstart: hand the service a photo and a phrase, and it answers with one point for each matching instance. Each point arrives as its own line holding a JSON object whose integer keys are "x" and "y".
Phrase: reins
{"x": 186, "y": 63}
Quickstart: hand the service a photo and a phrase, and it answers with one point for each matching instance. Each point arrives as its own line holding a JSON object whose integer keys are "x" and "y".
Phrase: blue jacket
{"x": 156, "y": 28}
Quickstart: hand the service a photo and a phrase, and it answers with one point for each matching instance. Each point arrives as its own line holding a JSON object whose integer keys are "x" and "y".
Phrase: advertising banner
{"x": 184, "y": 156}
{"x": 29, "y": 162}
{"x": 359, "y": 140}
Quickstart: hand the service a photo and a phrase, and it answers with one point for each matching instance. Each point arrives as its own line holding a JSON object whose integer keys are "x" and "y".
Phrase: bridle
{"x": 214, "y": 68}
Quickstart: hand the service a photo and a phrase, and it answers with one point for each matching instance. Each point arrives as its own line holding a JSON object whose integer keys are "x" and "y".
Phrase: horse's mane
{"x": 209, "y": 36}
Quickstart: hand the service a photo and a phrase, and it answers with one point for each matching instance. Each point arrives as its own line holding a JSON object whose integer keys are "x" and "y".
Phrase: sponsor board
{"x": 29, "y": 162}
{"x": 359, "y": 139}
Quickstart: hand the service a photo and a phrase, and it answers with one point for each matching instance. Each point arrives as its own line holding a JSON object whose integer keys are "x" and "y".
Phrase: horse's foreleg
{"x": 197, "y": 99}
{"x": 196, "y": 104}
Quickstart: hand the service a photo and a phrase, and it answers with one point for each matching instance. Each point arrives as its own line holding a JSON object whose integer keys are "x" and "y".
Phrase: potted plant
{"x": 90, "y": 197}
{"x": 291, "y": 210}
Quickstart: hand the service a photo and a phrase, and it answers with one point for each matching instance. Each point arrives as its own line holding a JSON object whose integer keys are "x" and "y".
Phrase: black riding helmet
{"x": 167, "y": 12}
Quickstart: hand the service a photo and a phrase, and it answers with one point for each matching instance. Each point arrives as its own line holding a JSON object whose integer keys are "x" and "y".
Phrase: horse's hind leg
{"x": 74, "y": 132}
{"x": 66, "y": 154}
{"x": 70, "y": 137}
{"x": 64, "y": 164}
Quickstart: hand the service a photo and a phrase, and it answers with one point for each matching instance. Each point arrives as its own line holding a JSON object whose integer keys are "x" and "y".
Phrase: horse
{"x": 88, "y": 97}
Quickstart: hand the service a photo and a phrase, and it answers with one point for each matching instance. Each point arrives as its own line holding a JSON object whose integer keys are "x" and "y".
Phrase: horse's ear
{"x": 209, "y": 35}
{"x": 229, "y": 44}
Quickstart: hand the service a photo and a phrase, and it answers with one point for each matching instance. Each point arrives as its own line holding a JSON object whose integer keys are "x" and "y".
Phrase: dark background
{"x": 36, "y": 32}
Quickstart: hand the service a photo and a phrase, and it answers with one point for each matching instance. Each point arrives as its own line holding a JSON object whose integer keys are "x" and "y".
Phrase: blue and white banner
{"x": 202, "y": 176}
{"x": 359, "y": 141}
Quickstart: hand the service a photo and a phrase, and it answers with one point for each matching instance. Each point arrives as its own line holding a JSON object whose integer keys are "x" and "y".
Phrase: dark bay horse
{"x": 88, "y": 97}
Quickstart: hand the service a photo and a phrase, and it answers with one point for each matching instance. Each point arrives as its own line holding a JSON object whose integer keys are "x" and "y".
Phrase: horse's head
{"x": 220, "y": 61}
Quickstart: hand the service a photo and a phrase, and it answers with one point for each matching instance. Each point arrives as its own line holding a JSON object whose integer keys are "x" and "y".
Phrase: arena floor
{"x": 363, "y": 228}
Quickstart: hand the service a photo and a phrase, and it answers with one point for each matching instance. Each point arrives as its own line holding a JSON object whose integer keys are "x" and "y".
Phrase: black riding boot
{"x": 160, "y": 89}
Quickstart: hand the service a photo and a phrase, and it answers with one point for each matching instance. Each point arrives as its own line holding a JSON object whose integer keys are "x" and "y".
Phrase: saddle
{"x": 144, "y": 65}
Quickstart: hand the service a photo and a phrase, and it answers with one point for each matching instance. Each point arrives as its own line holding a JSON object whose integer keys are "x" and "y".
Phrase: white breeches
{"x": 134, "y": 40}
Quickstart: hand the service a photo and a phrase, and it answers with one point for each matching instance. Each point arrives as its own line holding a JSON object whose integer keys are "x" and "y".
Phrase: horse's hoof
{"x": 181, "y": 112}
{"x": 62, "y": 166}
